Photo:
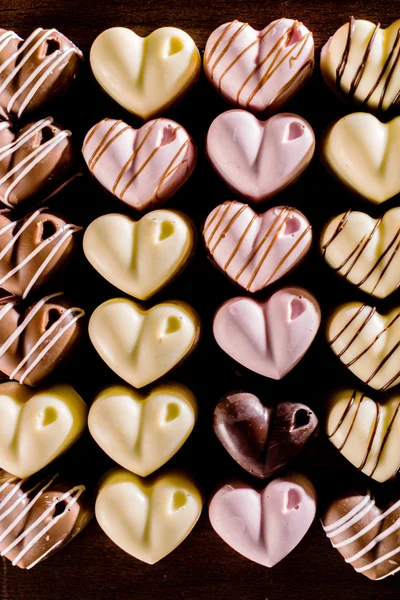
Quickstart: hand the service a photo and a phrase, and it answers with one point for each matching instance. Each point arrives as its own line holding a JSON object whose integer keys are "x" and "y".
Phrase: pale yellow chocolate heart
{"x": 141, "y": 346}
{"x": 364, "y": 154}
{"x": 139, "y": 432}
{"x": 366, "y": 432}
{"x": 147, "y": 519}
{"x": 145, "y": 75}
{"x": 139, "y": 257}
{"x": 36, "y": 426}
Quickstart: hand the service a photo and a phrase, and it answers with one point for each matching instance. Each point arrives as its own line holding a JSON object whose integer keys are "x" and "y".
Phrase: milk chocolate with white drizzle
{"x": 35, "y": 163}
{"x": 32, "y": 249}
{"x": 367, "y": 536}
{"x": 39, "y": 516}
{"x": 36, "y": 70}
{"x": 34, "y": 341}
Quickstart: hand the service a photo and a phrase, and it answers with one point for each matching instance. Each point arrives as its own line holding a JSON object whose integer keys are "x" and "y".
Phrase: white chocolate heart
{"x": 139, "y": 257}
{"x": 37, "y": 426}
{"x": 141, "y": 346}
{"x": 147, "y": 519}
{"x": 145, "y": 75}
{"x": 366, "y": 432}
{"x": 364, "y": 155}
{"x": 365, "y": 250}
{"x": 367, "y": 343}
{"x": 139, "y": 432}
{"x": 361, "y": 62}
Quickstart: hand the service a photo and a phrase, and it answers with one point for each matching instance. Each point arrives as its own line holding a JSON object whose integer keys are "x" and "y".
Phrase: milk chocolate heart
{"x": 367, "y": 343}
{"x": 37, "y": 426}
{"x": 39, "y": 516}
{"x": 262, "y": 439}
{"x": 364, "y": 250}
{"x": 147, "y": 518}
{"x": 145, "y": 75}
{"x": 268, "y": 337}
{"x": 367, "y": 536}
{"x": 366, "y": 432}
{"x": 264, "y": 526}
{"x": 32, "y": 249}
{"x": 258, "y": 159}
{"x": 255, "y": 250}
{"x": 363, "y": 154}
{"x": 36, "y": 70}
{"x": 33, "y": 341}
{"x": 35, "y": 163}
{"x": 259, "y": 70}
{"x": 360, "y": 63}
{"x": 142, "y": 167}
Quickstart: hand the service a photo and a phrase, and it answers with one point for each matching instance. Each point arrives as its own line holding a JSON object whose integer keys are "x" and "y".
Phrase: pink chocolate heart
{"x": 264, "y": 526}
{"x": 268, "y": 337}
{"x": 256, "y": 158}
{"x": 259, "y": 70}
{"x": 256, "y": 250}
{"x": 142, "y": 167}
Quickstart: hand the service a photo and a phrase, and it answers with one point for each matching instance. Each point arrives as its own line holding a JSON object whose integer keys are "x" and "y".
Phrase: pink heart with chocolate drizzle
{"x": 259, "y": 70}
{"x": 142, "y": 167}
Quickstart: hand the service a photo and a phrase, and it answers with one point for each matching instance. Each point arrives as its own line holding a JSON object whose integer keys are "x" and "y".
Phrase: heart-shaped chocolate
{"x": 35, "y": 163}
{"x": 367, "y": 536}
{"x": 147, "y": 517}
{"x": 39, "y": 516}
{"x": 367, "y": 343}
{"x": 258, "y": 159}
{"x": 360, "y": 63}
{"x": 262, "y": 439}
{"x": 32, "y": 249}
{"x": 264, "y": 526}
{"x": 255, "y": 250}
{"x": 33, "y": 341}
{"x": 145, "y": 75}
{"x": 142, "y": 167}
{"x": 259, "y": 70}
{"x": 268, "y": 337}
{"x": 366, "y": 432}
{"x": 365, "y": 250}
{"x": 37, "y": 426}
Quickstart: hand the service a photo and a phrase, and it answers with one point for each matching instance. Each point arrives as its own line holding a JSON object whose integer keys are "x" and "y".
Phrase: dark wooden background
{"x": 203, "y": 567}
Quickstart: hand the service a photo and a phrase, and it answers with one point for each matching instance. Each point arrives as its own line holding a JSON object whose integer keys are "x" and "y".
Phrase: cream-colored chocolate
{"x": 361, "y": 63}
{"x": 37, "y": 426}
{"x": 145, "y": 75}
{"x": 365, "y": 250}
{"x": 139, "y": 345}
{"x": 367, "y": 343}
{"x": 147, "y": 518}
{"x": 139, "y": 257}
{"x": 366, "y": 432}
{"x": 364, "y": 155}
{"x": 142, "y": 432}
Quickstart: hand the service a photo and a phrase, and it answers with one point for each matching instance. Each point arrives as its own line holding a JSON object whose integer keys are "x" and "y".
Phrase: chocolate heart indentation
{"x": 262, "y": 440}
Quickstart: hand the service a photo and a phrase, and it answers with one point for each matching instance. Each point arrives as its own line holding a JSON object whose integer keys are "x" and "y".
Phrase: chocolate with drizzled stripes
{"x": 39, "y": 516}
{"x": 33, "y": 71}
{"x": 33, "y": 341}
{"x": 32, "y": 249}
{"x": 367, "y": 536}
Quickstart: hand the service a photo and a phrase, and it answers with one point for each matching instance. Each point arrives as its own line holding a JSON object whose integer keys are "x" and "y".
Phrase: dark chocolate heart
{"x": 34, "y": 341}
{"x": 39, "y": 516}
{"x": 33, "y": 71}
{"x": 262, "y": 439}
{"x": 32, "y": 249}
{"x": 35, "y": 163}
{"x": 367, "y": 536}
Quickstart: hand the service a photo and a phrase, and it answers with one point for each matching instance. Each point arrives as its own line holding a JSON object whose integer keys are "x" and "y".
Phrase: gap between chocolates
{"x": 146, "y": 511}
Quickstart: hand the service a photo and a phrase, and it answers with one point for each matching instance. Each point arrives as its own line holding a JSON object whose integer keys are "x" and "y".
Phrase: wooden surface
{"x": 203, "y": 567}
